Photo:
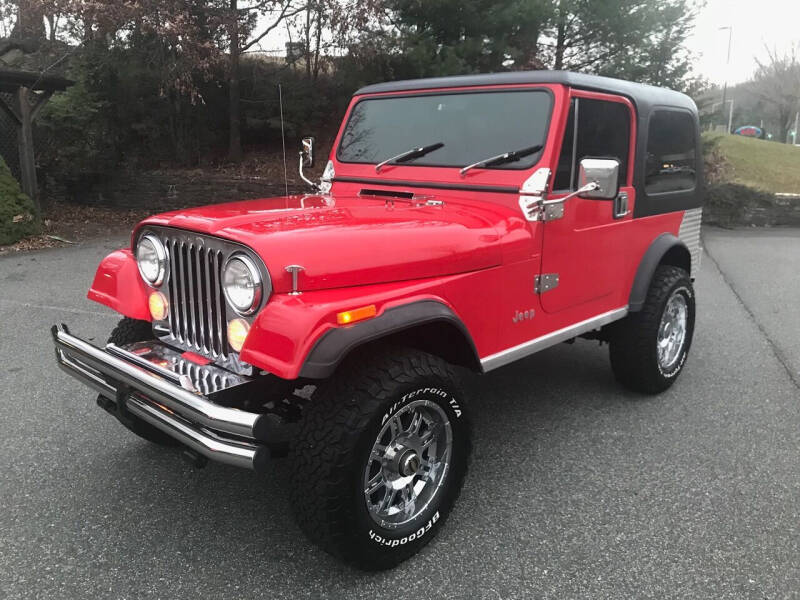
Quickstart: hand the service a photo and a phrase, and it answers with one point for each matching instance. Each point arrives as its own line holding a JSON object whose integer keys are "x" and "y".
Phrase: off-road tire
{"x": 330, "y": 453}
{"x": 633, "y": 343}
{"x": 129, "y": 331}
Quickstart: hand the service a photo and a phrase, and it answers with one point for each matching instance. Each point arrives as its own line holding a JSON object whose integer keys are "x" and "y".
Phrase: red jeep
{"x": 461, "y": 223}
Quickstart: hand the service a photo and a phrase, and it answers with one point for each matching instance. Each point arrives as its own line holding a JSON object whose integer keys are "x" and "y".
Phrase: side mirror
{"x": 307, "y": 152}
{"x": 604, "y": 173}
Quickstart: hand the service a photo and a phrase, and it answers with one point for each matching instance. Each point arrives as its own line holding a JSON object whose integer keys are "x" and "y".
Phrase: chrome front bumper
{"x": 159, "y": 396}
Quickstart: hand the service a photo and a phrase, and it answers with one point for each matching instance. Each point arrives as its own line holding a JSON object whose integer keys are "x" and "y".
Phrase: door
{"x": 585, "y": 249}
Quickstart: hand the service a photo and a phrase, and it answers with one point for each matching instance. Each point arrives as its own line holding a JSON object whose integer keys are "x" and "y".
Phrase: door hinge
{"x": 545, "y": 282}
{"x": 537, "y": 209}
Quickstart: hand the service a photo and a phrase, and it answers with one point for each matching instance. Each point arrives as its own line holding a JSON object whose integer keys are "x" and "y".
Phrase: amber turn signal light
{"x": 237, "y": 333}
{"x": 358, "y": 314}
{"x": 159, "y": 307}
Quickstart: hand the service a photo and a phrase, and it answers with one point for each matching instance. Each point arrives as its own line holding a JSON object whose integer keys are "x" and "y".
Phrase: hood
{"x": 354, "y": 240}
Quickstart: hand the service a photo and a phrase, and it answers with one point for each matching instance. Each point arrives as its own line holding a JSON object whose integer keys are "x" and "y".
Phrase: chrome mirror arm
{"x": 304, "y": 178}
{"x": 589, "y": 187}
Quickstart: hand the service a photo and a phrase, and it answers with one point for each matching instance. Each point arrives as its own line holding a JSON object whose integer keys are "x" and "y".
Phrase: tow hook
{"x": 107, "y": 405}
{"x": 197, "y": 460}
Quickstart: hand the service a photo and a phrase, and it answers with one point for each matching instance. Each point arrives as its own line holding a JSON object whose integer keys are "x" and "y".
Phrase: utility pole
{"x": 727, "y": 67}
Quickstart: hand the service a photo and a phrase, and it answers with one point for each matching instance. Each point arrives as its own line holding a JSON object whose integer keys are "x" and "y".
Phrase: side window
{"x": 604, "y": 131}
{"x": 671, "y": 152}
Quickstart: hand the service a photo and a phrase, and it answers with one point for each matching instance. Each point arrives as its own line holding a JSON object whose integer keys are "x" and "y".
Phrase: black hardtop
{"x": 643, "y": 96}
{"x": 646, "y": 98}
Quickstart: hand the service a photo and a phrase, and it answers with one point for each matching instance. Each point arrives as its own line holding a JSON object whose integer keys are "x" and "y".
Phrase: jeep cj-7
{"x": 461, "y": 223}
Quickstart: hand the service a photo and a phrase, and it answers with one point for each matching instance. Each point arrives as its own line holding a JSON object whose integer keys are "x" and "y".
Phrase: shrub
{"x": 717, "y": 169}
{"x": 17, "y": 212}
{"x": 732, "y": 205}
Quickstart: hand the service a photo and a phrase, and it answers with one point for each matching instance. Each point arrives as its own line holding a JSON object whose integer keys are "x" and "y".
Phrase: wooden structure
{"x": 22, "y": 95}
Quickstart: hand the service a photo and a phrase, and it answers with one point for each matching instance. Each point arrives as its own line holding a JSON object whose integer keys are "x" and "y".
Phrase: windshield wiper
{"x": 409, "y": 155}
{"x": 500, "y": 159}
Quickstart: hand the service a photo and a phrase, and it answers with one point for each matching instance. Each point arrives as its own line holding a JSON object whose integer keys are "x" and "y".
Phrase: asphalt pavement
{"x": 577, "y": 488}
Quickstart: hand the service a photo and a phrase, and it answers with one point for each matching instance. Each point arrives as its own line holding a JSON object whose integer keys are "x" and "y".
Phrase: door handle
{"x": 621, "y": 205}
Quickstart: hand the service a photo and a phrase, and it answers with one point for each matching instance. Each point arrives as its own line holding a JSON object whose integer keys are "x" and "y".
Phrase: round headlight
{"x": 152, "y": 259}
{"x": 241, "y": 282}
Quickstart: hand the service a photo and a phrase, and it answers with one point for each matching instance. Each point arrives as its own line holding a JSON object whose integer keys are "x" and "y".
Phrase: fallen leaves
{"x": 69, "y": 224}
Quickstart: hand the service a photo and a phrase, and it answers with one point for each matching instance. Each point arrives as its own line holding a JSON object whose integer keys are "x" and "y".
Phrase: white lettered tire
{"x": 380, "y": 458}
{"x": 649, "y": 348}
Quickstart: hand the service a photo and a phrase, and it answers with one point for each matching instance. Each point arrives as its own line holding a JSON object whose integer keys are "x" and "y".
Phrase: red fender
{"x": 287, "y": 328}
{"x": 117, "y": 284}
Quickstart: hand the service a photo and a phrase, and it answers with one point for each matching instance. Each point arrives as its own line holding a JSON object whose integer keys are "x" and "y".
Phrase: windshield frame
{"x": 453, "y": 92}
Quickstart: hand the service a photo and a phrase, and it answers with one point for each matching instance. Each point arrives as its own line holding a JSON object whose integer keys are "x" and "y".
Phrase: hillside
{"x": 767, "y": 166}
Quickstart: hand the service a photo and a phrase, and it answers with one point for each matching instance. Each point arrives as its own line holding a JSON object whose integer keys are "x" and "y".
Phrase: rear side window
{"x": 604, "y": 131}
{"x": 671, "y": 152}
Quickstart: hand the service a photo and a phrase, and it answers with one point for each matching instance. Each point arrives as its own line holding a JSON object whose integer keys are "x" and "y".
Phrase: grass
{"x": 767, "y": 166}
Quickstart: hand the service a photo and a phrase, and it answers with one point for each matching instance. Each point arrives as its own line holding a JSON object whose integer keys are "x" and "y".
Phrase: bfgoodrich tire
{"x": 380, "y": 458}
{"x": 649, "y": 348}
{"x": 129, "y": 331}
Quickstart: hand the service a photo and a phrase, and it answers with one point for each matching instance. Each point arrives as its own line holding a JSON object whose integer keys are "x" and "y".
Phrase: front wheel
{"x": 380, "y": 458}
{"x": 649, "y": 348}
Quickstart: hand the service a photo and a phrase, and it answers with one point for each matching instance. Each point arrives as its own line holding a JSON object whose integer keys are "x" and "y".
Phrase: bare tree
{"x": 248, "y": 26}
{"x": 329, "y": 26}
{"x": 777, "y": 84}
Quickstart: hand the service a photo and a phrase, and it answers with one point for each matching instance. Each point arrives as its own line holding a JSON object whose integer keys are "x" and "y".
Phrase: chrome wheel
{"x": 672, "y": 331}
{"x": 408, "y": 464}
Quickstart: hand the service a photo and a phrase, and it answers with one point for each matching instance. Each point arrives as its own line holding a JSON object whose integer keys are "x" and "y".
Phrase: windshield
{"x": 471, "y": 126}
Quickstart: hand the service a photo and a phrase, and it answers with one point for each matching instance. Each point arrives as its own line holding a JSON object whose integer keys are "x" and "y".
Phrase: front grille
{"x": 198, "y": 312}
{"x": 196, "y": 306}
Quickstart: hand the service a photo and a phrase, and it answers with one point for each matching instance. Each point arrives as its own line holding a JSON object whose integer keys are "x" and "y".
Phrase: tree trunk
{"x": 318, "y": 43}
{"x": 27, "y": 158}
{"x": 30, "y": 21}
{"x": 52, "y": 21}
{"x": 235, "y": 94}
{"x": 787, "y": 121}
{"x": 308, "y": 40}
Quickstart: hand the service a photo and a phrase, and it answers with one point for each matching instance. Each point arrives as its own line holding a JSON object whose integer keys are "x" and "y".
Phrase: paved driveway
{"x": 577, "y": 489}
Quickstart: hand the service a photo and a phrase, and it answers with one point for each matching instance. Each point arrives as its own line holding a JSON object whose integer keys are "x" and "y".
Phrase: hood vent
{"x": 389, "y": 197}
{"x": 387, "y": 194}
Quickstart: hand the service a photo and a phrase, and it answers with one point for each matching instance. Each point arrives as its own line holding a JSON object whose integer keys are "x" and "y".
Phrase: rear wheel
{"x": 380, "y": 458}
{"x": 649, "y": 348}
{"x": 129, "y": 331}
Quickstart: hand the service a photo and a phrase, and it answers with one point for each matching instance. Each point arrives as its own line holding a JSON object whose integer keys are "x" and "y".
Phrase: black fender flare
{"x": 654, "y": 256}
{"x": 336, "y": 344}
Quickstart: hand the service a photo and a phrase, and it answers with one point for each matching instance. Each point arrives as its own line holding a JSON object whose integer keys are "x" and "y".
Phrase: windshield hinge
{"x": 533, "y": 198}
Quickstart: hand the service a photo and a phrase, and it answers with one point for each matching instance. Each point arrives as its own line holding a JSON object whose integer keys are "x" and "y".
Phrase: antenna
{"x": 283, "y": 141}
